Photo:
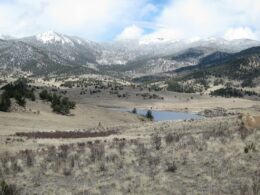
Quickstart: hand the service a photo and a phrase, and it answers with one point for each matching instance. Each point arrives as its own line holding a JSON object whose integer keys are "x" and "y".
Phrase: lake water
{"x": 162, "y": 115}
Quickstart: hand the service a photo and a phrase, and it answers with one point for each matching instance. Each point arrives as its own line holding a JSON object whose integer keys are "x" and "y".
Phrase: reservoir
{"x": 163, "y": 115}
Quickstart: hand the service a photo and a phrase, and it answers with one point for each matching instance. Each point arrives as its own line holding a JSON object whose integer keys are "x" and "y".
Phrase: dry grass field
{"x": 96, "y": 150}
{"x": 209, "y": 156}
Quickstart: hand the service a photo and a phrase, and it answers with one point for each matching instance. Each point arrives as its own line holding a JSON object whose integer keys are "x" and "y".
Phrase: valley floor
{"x": 129, "y": 154}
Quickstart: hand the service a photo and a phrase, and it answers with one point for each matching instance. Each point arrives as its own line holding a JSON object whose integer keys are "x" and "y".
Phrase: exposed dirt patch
{"x": 257, "y": 121}
{"x": 251, "y": 121}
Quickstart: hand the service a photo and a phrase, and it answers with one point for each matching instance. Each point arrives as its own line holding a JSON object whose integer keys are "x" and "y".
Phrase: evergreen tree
{"x": 149, "y": 115}
{"x": 134, "y": 111}
{"x": 5, "y": 102}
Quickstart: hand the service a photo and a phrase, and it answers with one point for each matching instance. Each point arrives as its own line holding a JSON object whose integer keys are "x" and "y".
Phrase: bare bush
{"x": 36, "y": 179}
{"x": 244, "y": 131}
{"x": 29, "y": 157}
{"x": 121, "y": 146}
{"x": 244, "y": 189}
{"x": 169, "y": 138}
{"x": 8, "y": 189}
{"x": 81, "y": 146}
{"x": 66, "y": 171}
{"x": 72, "y": 162}
{"x": 97, "y": 152}
{"x": 16, "y": 166}
{"x": 256, "y": 183}
{"x": 153, "y": 161}
{"x": 102, "y": 167}
{"x": 250, "y": 147}
{"x": 141, "y": 149}
{"x": 51, "y": 154}
{"x": 112, "y": 158}
{"x": 5, "y": 158}
{"x": 63, "y": 151}
{"x": 156, "y": 141}
{"x": 171, "y": 167}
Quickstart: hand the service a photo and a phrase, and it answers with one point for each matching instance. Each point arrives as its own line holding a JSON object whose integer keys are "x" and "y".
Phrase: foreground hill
{"x": 210, "y": 156}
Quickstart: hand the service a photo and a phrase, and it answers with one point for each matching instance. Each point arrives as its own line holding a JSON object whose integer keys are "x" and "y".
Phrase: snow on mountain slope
{"x": 5, "y": 37}
{"x": 156, "y": 66}
{"x": 53, "y": 37}
{"x": 146, "y": 56}
{"x": 74, "y": 50}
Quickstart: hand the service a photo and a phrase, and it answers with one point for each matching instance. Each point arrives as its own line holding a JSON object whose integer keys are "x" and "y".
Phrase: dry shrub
{"x": 250, "y": 147}
{"x": 64, "y": 150}
{"x": 141, "y": 150}
{"x": 5, "y": 158}
{"x": 36, "y": 179}
{"x": 72, "y": 161}
{"x": 244, "y": 189}
{"x": 171, "y": 167}
{"x": 156, "y": 141}
{"x": 256, "y": 183}
{"x": 81, "y": 146}
{"x": 244, "y": 131}
{"x": 172, "y": 137}
{"x": 97, "y": 152}
{"x": 153, "y": 161}
{"x": 51, "y": 154}
{"x": 102, "y": 166}
{"x": 8, "y": 189}
{"x": 121, "y": 146}
{"x": 112, "y": 158}
{"x": 66, "y": 171}
{"x": 28, "y": 155}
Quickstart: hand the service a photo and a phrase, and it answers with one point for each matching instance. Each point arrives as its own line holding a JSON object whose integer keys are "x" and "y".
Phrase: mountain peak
{"x": 53, "y": 37}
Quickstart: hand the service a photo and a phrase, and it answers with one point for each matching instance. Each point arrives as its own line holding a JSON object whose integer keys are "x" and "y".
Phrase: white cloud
{"x": 95, "y": 19}
{"x": 191, "y": 17}
{"x": 88, "y": 18}
{"x": 162, "y": 35}
{"x": 131, "y": 32}
{"x": 206, "y": 18}
{"x": 240, "y": 33}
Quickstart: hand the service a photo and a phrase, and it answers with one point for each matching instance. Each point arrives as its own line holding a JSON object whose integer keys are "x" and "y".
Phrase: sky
{"x": 108, "y": 20}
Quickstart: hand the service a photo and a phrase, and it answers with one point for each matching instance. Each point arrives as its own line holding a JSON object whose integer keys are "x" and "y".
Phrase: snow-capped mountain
{"x": 53, "y": 52}
{"x": 121, "y": 52}
{"x": 71, "y": 50}
{"x": 53, "y": 37}
{"x": 47, "y": 52}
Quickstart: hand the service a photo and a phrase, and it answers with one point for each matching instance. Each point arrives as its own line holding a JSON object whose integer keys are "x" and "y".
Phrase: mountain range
{"x": 243, "y": 65}
{"x": 55, "y": 53}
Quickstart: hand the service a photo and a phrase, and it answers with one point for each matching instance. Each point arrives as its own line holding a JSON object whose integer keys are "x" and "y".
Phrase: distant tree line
{"x": 177, "y": 87}
{"x": 19, "y": 90}
{"x": 232, "y": 92}
{"x": 248, "y": 83}
{"x": 59, "y": 104}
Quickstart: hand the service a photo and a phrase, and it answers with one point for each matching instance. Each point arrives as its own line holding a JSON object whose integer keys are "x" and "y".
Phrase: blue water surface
{"x": 162, "y": 115}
